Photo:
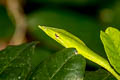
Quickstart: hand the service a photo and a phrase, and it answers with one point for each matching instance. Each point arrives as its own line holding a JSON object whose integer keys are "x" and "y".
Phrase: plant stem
{"x": 14, "y": 7}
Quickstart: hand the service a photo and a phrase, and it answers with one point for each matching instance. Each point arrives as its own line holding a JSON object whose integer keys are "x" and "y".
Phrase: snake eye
{"x": 56, "y": 35}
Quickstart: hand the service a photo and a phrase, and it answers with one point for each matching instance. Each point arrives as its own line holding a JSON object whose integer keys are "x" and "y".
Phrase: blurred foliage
{"x": 110, "y": 14}
{"x": 6, "y": 25}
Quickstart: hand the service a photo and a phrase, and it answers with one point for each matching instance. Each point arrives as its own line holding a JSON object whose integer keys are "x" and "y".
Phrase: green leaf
{"x": 15, "y": 62}
{"x": 20, "y": 63}
{"x": 99, "y": 74}
{"x": 64, "y": 65}
{"x": 68, "y": 40}
{"x": 40, "y": 54}
{"x": 111, "y": 42}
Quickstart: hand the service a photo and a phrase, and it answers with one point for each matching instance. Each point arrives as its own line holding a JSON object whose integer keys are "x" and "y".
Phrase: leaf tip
{"x": 111, "y": 30}
{"x": 108, "y": 29}
{"x": 101, "y": 32}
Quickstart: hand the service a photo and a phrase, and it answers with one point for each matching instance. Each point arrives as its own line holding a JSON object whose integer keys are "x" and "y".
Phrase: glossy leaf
{"x": 64, "y": 65}
{"x": 111, "y": 42}
{"x": 100, "y": 74}
{"x": 68, "y": 40}
{"x": 40, "y": 54}
{"x": 20, "y": 63}
{"x": 15, "y": 62}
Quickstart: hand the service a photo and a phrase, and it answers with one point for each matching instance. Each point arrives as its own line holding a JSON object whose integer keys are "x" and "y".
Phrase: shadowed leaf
{"x": 64, "y": 65}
